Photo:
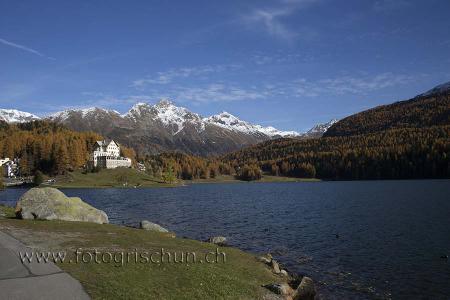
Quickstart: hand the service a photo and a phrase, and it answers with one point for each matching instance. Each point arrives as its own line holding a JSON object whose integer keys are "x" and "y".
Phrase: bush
{"x": 249, "y": 173}
{"x": 306, "y": 171}
{"x": 38, "y": 178}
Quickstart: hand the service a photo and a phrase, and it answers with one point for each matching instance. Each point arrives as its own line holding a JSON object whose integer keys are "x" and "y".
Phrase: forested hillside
{"x": 419, "y": 112}
{"x": 46, "y": 146}
{"x": 392, "y": 154}
{"x": 408, "y": 139}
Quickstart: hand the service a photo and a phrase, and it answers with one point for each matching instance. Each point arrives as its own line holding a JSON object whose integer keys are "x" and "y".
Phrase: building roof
{"x": 105, "y": 143}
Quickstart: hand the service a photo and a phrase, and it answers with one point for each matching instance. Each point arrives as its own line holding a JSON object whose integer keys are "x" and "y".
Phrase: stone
{"x": 280, "y": 289}
{"x": 218, "y": 240}
{"x": 265, "y": 260}
{"x": 284, "y": 273}
{"x": 51, "y": 204}
{"x": 147, "y": 225}
{"x": 306, "y": 290}
{"x": 275, "y": 267}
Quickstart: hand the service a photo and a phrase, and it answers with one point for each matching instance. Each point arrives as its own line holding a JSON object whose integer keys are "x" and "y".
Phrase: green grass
{"x": 265, "y": 178}
{"x": 130, "y": 178}
{"x": 120, "y": 177}
{"x": 240, "y": 277}
{"x": 7, "y": 211}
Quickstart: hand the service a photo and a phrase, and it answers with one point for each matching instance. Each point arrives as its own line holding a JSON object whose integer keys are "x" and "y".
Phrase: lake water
{"x": 391, "y": 234}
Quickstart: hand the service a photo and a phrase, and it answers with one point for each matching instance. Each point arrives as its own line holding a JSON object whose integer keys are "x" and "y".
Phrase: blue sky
{"x": 286, "y": 63}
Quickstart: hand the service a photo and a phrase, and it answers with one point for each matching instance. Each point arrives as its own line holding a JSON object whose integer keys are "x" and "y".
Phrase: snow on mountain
{"x": 442, "y": 88}
{"x": 170, "y": 114}
{"x": 230, "y": 122}
{"x": 84, "y": 112}
{"x": 320, "y": 129}
{"x": 166, "y": 113}
{"x": 16, "y": 116}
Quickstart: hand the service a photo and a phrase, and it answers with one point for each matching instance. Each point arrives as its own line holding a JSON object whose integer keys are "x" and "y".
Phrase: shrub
{"x": 38, "y": 178}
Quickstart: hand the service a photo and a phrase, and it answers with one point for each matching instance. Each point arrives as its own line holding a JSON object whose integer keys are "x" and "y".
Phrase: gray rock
{"x": 218, "y": 240}
{"x": 51, "y": 204}
{"x": 280, "y": 289}
{"x": 306, "y": 290}
{"x": 284, "y": 273}
{"x": 147, "y": 225}
{"x": 275, "y": 267}
{"x": 265, "y": 260}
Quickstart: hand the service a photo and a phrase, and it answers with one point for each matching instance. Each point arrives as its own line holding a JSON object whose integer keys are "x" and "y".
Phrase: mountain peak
{"x": 164, "y": 103}
{"x": 233, "y": 123}
{"x": 16, "y": 116}
{"x": 90, "y": 111}
{"x": 320, "y": 129}
{"x": 442, "y": 88}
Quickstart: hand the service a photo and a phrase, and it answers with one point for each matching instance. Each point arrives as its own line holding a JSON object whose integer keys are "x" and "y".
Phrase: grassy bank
{"x": 120, "y": 177}
{"x": 239, "y": 277}
{"x": 265, "y": 178}
{"x": 129, "y": 178}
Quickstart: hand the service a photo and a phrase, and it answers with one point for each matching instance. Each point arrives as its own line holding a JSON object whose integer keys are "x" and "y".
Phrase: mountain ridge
{"x": 152, "y": 129}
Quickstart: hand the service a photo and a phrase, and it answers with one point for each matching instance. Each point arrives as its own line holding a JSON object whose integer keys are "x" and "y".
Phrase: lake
{"x": 356, "y": 239}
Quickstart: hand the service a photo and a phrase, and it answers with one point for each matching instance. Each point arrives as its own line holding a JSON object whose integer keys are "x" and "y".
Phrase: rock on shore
{"x": 218, "y": 240}
{"x": 147, "y": 225}
{"x": 51, "y": 204}
{"x": 306, "y": 290}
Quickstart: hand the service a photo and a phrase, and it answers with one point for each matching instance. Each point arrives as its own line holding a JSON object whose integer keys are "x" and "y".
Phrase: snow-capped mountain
{"x": 167, "y": 114}
{"x": 91, "y": 112}
{"x": 442, "y": 88}
{"x": 164, "y": 126}
{"x": 319, "y": 129}
{"x": 16, "y": 116}
{"x": 230, "y": 122}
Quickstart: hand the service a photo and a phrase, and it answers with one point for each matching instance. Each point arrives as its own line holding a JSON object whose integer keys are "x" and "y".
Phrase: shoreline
{"x": 244, "y": 274}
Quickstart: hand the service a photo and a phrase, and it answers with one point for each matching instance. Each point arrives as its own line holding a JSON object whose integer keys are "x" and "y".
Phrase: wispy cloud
{"x": 271, "y": 19}
{"x": 297, "y": 88}
{"x": 217, "y": 92}
{"x": 281, "y": 58}
{"x": 169, "y": 76}
{"x": 24, "y": 48}
{"x": 343, "y": 85}
{"x": 390, "y": 5}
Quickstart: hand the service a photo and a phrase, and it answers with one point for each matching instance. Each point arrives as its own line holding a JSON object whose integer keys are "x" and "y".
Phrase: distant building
{"x": 10, "y": 168}
{"x": 106, "y": 155}
{"x": 140, "y": 167}
{"x": 3, "y": 161}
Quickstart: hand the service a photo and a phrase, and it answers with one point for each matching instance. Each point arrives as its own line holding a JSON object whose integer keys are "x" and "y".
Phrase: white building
{"x": 3, "y": 161}
{"x": 106, "y": 155}
{"x": 9, "y": 167}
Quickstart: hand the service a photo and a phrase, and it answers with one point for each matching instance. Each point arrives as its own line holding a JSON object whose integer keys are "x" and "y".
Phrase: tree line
{"x": 48, "y": 147}
{"x": 391, "y": 154}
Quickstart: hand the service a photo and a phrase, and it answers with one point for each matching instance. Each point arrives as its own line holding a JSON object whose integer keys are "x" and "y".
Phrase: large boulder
{"x": 306, "y": 290}
{"x": 280, "y": 289}
{"x": 147, "y": 225}
{"x": 275, "y": 267}
{"x": 51, "y": 204}
{"x": 218, "y": 240}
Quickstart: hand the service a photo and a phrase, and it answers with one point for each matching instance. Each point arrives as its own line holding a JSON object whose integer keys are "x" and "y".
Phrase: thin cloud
{"x": 166, "y": 77}
{"x": 297, "y": 88}
{"x": 344, "y": 85}
{"x": 24, "y": 48}
{"x": 390, "y": 5}
{"x": 271, "y": 19}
